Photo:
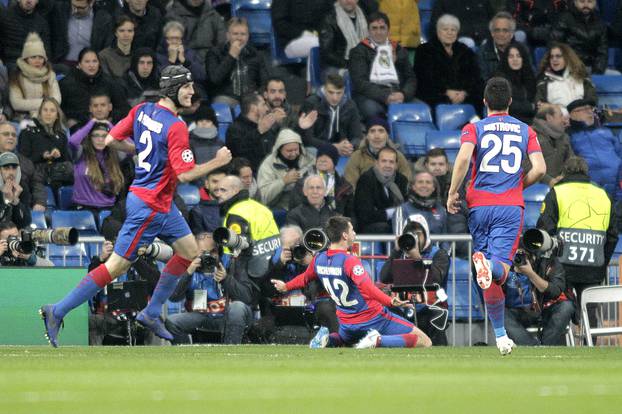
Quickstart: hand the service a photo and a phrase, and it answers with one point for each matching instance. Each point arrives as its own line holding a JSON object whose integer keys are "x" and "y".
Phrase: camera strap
{"x": 440, "y": 320}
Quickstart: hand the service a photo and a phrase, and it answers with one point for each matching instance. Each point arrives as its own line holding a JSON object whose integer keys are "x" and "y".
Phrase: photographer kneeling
{"x": 15, "y": 252}
{"x": 203, "y": 287}
{"x": 536, "y": 293}
{"x": 431, "y": 305}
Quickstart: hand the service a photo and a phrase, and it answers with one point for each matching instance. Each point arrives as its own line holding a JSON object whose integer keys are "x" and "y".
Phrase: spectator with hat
{"x": 13, "y": 198}
{"x": 365, "y": 156}
{"x": 204, "y": 141}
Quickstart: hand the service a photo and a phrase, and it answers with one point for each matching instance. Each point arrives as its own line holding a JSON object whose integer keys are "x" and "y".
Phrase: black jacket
{"x": 224, "y": 72}
{"x": 548, "y": 222}
{"x": 205, "y": 217}
{"x": 307, "y": 217}
{"x": 32, "y": 181}
{"x": 360, "y": 64}
{"x": 15, "y": 26}
{"x": 102, "y": 33}
{"x": 346, "y": 122}
{"x": 244, "y": 140}
{"x": 333, "y": 44}
{"x": 474, "y": 16}
{"x": 535, "y": 17}
{"x": 523, "y": 83}
{"x": 19, "y": 214}
{"x": 291, "y": 17}
{"x": 344, "y": 195}
{"x": 35, "y": 140}
{"x": 148, "y": 27}
{"x": 76, "y": 89}
{"x": 586, "y": 36}
{"x": 436, "y": 72}
{"x": 371, "y": 200}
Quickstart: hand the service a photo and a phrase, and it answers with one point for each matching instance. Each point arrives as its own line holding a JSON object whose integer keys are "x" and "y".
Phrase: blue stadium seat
{"x": 223, "y": 115}
{"x": 409, "y": 124}
{"x": 608, "y": 89}
{"x": 315, "y": 68}
{"x": 38, "y": 220}
{"x": 236, "y": 111}
{"x": 102, "y": 216}
{"x": 425, "y": 17}
{"x": 534, "y": 196}
{"x": 75, "y": 256}
{"x": 82, "y": 220}
{"x": 189, "y": 193}
{"x": 64, "y": 197}
{"x": 341, "y": 165}
{"x": 51, "y": 201}
{"x": 279, "y": 215}
{"x": 450, "y": 117}
{"x": 257, "y": 13}
{"x": 448, "y": 140}
{"x": 614, "y": 58}
{"x": 538, "y": 54}
{"x": 463, "y": 273}
{"x": 348, "y": 81}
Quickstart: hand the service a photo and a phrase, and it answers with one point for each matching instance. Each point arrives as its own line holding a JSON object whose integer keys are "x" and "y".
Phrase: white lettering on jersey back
{"x": 502, "y": 127}
{"x": 150, "y": 124}
{"x": 328, "y": 270}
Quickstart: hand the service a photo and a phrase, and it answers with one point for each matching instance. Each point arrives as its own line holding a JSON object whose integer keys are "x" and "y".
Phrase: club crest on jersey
{"x": 358, "y": 270}
{"x": 187, "y": 156}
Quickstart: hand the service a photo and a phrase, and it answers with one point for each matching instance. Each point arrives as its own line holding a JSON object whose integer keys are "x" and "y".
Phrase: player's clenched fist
{"x": 223, "y": 155}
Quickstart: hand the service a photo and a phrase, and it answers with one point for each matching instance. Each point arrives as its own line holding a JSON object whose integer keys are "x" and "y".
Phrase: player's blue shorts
{"x": 496, "y": 231}
{"x": 143, "y": 225}
{"x": 386, "y": 323}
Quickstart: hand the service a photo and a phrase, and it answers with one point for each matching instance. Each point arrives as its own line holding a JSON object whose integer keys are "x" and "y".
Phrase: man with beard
{"x": 275, "y": 95}
{"x": 205, "y": 216}
{"x": 281, "y": 169}
{"x": 379, "y": 191}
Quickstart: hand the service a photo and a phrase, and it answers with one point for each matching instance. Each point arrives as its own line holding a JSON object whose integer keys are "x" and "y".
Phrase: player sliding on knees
{"x": 496, "y": 148}
{"x": 364, "y": 320}
{"x": 164, "y": 158}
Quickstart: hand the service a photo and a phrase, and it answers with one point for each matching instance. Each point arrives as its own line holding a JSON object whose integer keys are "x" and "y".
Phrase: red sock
{"x": 176, "y": 266}
{"x": 410, "y": 340}
{"x": 101, "y": 275}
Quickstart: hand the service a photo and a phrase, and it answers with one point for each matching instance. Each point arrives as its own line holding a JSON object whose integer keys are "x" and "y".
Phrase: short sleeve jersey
{"x": 163, "y": 151}
{"x": 501, "y": 145}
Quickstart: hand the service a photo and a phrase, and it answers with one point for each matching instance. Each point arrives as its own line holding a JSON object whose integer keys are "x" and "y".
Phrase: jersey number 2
{"x": 339, "y": 285}
{"x": 505, "y": 148}
{"x": 145, "y": 138}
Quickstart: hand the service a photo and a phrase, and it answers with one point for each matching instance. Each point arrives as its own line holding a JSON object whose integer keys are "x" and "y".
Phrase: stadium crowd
{"x": 71, "y": 69}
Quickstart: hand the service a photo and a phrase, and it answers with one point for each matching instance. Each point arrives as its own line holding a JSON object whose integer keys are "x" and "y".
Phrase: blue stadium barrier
{"x": 463, "y": 274}
{"x": 50, "y": 199}
{"x": 608, "y": 89}
{"x": 409, "y": 124}
{"x": 74, "y": 256}
{"x": 81, "y": 220}
{"x": 448, "y": 140}
{"x": 450, "y": 117}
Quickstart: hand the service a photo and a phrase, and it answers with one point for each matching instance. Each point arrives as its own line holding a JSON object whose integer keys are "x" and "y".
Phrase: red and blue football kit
{"x": 163, "y": 151}
{"x": 495, "y": 191}
{"x": 361, "y": 306}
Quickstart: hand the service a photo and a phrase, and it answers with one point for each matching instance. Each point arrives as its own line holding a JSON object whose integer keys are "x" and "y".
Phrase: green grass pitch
{"x": 294, "y": 379}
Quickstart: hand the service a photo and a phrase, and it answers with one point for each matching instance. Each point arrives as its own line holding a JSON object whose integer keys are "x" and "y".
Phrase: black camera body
{"x": 299, "y": 252}
{"x": 208, "y": 263}
{"x": 520, "y": 259}
{"x": 25, "y": 245}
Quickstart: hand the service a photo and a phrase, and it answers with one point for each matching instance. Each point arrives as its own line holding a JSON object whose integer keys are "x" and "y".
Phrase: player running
{"x": 361, "y": 306}
{"x": 164, "y": 157}
{"x": 496, "y": 147}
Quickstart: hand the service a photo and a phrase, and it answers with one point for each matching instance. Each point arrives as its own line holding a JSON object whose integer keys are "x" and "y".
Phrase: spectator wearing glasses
{"x": 493, "y": 50}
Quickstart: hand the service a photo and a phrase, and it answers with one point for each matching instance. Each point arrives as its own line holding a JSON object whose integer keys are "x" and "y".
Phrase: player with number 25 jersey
{"x": 495, "y": 147}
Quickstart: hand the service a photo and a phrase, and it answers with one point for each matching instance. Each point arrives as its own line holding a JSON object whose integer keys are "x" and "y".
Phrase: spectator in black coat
{"x": 494, "y": 49}
{"x": 83, "y": 81}
{"x": 446, "y": 69}
{"x": 19, "y": 19}
{"x": 251, "y": 135}
{"x": 380, "y": 70}
{"x": 148, "y": 20}
{"x": 474, "y": 15}
{"x": 516, "y": 67}
{"x": 296, "y": 24}
{"x": 236, "y": 68}
{"x": 378, "y": 192}
{"x": 338, "y": 120}
{"x": 535, "y": 18}
{"x": 581, "y": 28}
{"x": 343, "y": 28}
{"x": 14, "y": 199}
{"x": 68, "y": 38}
{"x": 314, "y": 211}
{"x": 141, "y": 80}
{"x": 204, "y": 141}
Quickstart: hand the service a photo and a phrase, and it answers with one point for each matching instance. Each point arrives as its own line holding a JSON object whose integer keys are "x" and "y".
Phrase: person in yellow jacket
{"x": 405, "y": 21}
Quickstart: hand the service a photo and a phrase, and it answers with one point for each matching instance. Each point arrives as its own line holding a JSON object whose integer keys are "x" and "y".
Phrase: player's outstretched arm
{"x": 538, "y": 169}
{"x": 223, "y": 156}
{"x": 126, "y": 145}
{"x": 461, "y": 166}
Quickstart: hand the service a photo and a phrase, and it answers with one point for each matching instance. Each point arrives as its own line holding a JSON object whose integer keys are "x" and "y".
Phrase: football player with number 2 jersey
{"x": 160, "y": 140}
{"x": 495, "y": 148}
{"x": 364, "y": 320}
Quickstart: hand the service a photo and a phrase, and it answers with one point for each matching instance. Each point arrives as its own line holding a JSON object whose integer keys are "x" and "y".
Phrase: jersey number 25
{"x": 343, "y": 289}
{"x": 506, "y": 147}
